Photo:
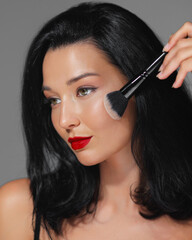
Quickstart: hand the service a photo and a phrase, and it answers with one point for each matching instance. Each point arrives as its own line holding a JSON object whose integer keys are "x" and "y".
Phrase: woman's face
{"x": 76, "y": 79}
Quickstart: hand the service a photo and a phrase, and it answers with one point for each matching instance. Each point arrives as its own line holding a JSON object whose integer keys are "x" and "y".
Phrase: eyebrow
{"x": 73, "y": 80}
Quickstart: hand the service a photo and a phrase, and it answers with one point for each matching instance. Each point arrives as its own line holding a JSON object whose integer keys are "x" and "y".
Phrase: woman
{"x": 126, "y": 179}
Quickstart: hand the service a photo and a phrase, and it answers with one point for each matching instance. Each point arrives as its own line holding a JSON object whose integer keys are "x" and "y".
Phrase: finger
{"x": 183, "y": 32}
{"x": 175, "y": 61}
{"x": 186, "y": 67}
{"x": 181, "y": 44}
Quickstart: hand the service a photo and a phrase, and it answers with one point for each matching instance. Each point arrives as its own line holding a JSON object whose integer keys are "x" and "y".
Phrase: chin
{"x": 88, "y": 162}
{"x": 88, "y": 159}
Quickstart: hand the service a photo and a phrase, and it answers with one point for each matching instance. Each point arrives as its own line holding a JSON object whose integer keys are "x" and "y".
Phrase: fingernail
{"x": 159, "y": 75}
{"x": 174, "y": 85}
{"x": 166, "y": 48}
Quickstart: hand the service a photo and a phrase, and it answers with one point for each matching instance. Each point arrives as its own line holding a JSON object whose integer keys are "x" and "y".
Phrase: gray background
{"x": 19, "y": 22}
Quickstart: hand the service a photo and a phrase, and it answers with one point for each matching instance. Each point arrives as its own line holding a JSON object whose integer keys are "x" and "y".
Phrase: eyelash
{"x": 87, "y": 88}
{"x": 50, "y": 100}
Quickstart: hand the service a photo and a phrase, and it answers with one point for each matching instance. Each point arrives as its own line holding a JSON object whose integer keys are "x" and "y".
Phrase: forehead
{"x": 73, "y": 60}
{"x": 76, "y": 54}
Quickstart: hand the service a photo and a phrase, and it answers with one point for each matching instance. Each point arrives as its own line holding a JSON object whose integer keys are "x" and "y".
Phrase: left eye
{"x": 81, "y": 92}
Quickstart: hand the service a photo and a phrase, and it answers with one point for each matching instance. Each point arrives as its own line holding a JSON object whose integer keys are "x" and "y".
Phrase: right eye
{"x": 53, "y": 101}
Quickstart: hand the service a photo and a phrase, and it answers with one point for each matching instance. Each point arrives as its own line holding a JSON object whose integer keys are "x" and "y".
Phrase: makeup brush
{"x": 116, "y": 102}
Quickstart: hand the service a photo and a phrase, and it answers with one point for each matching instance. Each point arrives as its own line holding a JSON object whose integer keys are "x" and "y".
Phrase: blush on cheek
{"x": 96, "y": 116}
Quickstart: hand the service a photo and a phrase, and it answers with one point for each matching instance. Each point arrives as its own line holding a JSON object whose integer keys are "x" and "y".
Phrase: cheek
{"x": 110, "y": 136}
{"x": 94, "y": 115}
{"x": 106, "y": 128}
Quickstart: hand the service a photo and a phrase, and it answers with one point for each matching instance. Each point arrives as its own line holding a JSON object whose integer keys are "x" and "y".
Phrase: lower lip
{"x": 80, "y": 144}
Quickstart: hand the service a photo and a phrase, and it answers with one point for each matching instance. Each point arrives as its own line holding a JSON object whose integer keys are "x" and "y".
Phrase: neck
{"x": 118, "y": 175}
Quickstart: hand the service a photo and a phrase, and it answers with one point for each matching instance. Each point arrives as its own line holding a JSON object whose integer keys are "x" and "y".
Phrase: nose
{"x": 68, "y": 116}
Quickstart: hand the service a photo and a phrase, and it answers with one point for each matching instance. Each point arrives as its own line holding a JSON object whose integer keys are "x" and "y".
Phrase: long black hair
{"x": 61, "y": 187}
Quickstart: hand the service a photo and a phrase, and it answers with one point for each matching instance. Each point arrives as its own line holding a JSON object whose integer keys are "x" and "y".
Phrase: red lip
{"x": 79, "y": 142}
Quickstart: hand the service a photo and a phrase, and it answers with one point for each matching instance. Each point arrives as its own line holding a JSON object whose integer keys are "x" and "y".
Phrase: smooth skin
{"x": 78, "y": 109}
{"x": 117, "y": 216}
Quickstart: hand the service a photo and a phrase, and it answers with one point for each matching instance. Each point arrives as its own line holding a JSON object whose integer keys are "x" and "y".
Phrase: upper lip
{"x": 77, "y": 139}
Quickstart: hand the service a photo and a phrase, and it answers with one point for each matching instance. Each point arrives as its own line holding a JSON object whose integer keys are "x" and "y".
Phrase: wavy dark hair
{"x": 61, "y": 187}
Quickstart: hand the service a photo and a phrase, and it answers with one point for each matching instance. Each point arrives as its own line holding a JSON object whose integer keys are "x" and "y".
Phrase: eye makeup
{"x": 84, "y": 91}
{"x": 81, "y": 92}
{"x": 52, "y": 101}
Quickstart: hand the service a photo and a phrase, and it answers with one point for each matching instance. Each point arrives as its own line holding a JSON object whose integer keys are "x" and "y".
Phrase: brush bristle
{"x": 115, "y": 104}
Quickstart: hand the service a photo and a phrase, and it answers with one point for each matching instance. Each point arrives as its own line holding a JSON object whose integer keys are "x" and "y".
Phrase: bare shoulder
{"x": 14, "y": 186}
{"x": 15, "y": 193}
{"x": 16, "y": 207}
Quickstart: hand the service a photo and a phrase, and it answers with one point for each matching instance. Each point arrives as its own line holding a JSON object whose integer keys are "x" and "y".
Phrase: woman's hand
{"x": 179, "y": 48}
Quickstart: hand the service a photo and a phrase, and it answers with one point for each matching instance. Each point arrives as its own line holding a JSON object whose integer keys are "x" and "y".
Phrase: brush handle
{"x": 130, "y": 87}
